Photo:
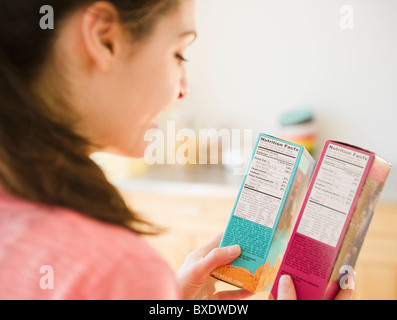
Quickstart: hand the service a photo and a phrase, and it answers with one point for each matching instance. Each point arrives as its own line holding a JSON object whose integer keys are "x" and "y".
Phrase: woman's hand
{"x": 194, "y": 278}
{"x": 196, "y": 283}
{"x": 286, "y": 290}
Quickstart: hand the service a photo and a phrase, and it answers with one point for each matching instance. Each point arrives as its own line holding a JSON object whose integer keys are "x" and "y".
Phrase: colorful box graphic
{"x": 265, "y": 211}
{"x": 333, "y": 220}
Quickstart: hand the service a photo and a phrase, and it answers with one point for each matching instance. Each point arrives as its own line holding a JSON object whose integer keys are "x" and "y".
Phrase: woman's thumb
{"x": 286, "y": 289}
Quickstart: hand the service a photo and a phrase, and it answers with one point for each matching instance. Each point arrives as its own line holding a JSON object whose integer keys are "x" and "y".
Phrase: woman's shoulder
{"x": 130, "y": 267}
{"x": 89, "y": 258}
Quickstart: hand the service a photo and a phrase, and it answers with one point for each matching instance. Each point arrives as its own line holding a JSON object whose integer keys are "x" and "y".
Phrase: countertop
{"x": 209, "y": 181}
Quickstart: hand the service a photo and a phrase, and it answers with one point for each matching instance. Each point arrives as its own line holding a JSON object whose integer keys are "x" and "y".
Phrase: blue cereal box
{"x": 265, "y": 212}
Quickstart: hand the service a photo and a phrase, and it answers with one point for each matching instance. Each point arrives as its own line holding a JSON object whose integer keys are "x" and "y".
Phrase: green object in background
{"x": 299, "y": 126}
{"x": 296, "y": 117}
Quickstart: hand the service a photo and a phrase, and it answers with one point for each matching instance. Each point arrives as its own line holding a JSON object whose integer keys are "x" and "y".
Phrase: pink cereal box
{"x": 333, "y": 221}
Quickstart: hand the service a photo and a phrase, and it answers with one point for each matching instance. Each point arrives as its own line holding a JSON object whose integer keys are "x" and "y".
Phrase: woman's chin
{"x": 135, "y": 151}
{"x": 135, "y": 147}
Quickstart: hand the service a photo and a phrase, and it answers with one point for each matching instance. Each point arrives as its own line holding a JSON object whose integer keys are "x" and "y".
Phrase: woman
{"x": 96, "y": 82}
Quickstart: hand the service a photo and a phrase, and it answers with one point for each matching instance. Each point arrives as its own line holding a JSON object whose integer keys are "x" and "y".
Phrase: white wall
{"x": 255, "y": 59}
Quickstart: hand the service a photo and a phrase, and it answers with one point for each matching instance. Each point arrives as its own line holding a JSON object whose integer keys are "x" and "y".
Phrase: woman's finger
{"x": 206, "y": 248}
{"x": 233, "y": 294}
{"x": 344, "y": 294}
{"x": 217, "y": 257}
{"x": 286, "y": 288}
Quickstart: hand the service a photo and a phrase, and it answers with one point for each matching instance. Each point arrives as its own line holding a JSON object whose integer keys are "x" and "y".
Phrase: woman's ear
{"x": 101, "y": 33}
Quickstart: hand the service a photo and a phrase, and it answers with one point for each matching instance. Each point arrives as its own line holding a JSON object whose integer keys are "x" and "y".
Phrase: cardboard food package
{"x": 333, "y": 221}
{"x": 265, "y": 212}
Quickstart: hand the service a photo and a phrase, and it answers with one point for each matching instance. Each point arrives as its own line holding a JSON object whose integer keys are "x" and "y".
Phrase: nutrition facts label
{"x": 267, "y": 181}
{"x": 332, "y": 194}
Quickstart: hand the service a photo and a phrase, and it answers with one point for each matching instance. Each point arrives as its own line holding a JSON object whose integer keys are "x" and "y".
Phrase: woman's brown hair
{"x": 42, "y": 159}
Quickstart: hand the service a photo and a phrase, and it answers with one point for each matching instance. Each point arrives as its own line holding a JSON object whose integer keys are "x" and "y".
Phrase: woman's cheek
{"x": 173, "y": 87}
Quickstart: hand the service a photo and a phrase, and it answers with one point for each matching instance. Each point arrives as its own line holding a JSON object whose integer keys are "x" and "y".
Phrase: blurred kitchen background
{"x": 306, "y": 70}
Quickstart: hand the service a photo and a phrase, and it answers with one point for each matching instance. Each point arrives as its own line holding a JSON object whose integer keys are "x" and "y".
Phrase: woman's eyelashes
{"x": 180, "y": 57}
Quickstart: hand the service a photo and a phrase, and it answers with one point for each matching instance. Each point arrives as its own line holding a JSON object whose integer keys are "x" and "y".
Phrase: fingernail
{"x": 234, "y": 250}
{"x": 285, "y": 282}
